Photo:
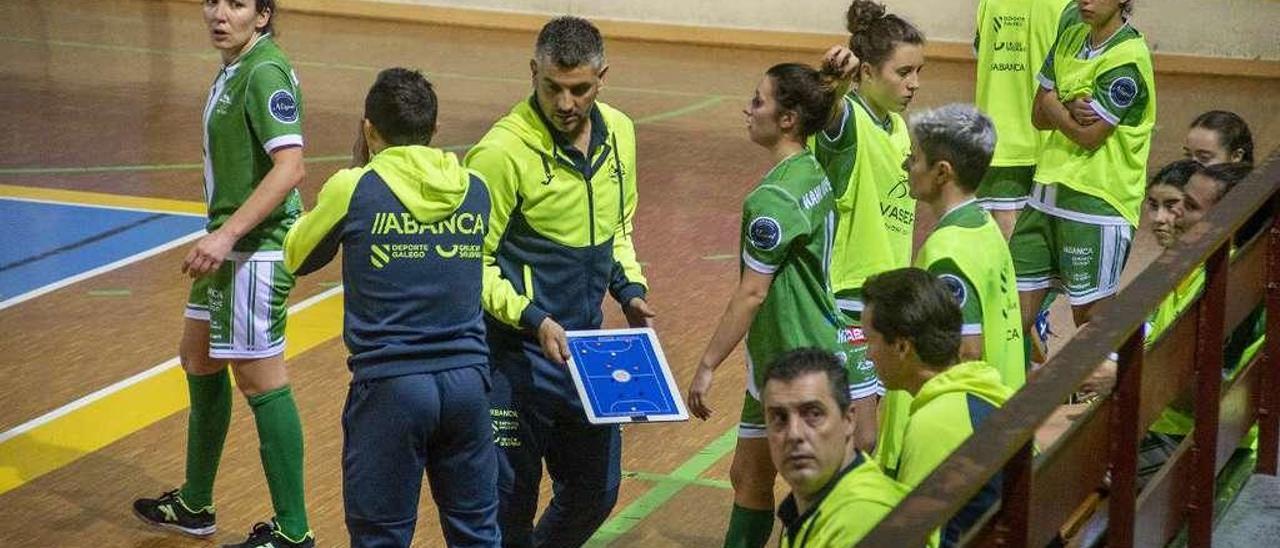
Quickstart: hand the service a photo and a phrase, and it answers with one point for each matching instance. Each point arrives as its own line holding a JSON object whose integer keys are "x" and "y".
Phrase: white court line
{"x": 135, "y": 379}
{"x": 104, "y": 268}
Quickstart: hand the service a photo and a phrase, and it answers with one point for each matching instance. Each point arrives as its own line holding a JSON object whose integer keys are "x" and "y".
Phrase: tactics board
{"x": 622, "y": 376}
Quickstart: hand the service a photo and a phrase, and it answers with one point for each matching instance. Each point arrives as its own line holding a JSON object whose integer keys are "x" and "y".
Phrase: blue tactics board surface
{"x": 622, "y": 376}
{"x": 45, "y": 243}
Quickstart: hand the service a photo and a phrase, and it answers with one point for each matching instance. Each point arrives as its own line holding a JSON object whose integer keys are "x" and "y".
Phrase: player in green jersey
{"x": 862, "y": 149}
{"x": 950, "y": 149}
{"x": 235, "y": 314}
{"x": 838, "y": 494}
{"x": 783, "y": 300}
{"x": 1011, "y": 39}
{"x": 1097, "y": 95}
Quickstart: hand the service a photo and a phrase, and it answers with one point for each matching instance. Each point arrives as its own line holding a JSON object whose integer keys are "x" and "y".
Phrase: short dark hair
{"x": 1233, "y": 133}
{"x": 805, "y": 361}
{"x": 570, "y": 42}
{"x": 913, "y": 304}
{"x": 806, "y": 91}
{"x": 260, "y": 6}
{"x": 401, "y": 105}
{"x": 874, "y": 33}
{"x": 1175, "y": 173}
{"x": 960, "y": 135}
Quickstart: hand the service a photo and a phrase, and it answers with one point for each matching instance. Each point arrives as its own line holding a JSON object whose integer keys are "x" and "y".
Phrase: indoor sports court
{"x": 100, "y": 193}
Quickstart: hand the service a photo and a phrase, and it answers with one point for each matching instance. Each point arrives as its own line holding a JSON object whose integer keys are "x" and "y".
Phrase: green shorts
{"x": 1006, "y": 187}
{"x": 1081, "y": 259}
{"x": 244, "y": 303}
{"x": 860, "y": 373}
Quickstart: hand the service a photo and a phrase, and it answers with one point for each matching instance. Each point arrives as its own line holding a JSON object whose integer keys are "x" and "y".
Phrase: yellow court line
{"x": 80, "y": 197}
{"x": 78, "y": 429}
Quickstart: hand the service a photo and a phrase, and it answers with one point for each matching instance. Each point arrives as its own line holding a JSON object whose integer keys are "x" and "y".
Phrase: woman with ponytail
{"x": 783, "y": 300}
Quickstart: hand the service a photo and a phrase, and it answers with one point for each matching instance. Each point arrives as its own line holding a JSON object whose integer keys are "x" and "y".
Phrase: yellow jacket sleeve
{"x": 627, "y": 280}
{"x": 313, "y": 240}
{"x": 498, "y": 297}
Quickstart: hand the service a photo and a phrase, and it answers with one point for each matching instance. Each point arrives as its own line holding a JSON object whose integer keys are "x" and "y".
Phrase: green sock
{"x": 206, "y": 431}
{"x": 748, "y": 528}
{"x": 280, "y": 443}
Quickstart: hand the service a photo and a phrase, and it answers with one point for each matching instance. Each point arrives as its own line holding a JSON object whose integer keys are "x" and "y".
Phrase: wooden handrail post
{"x": 1208, "y": 390}
{"x": 1269, "y": 396}
{"x": 1014, "y": 526}
{"x": 1122, "y": 502}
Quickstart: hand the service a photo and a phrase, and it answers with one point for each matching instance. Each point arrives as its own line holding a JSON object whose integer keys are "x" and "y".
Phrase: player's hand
{"x": 1102, "y": 380}
{"x": 839, "y": 61}
{"x": 1082, "y": 111}
{"x": 639, "y": 313}
{"x": 699, "y": 390}
{"x": 555, "y": 344}
{"x": 360, "y": 149}
{"x": 208, "y": 254}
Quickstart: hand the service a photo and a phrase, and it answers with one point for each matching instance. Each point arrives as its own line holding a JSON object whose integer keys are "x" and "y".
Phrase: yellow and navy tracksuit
{"x": 559, "y": 238}
{"x": 411, "y": 225}
{"x": 946, "y": 411}
{"x": 848, "y": 508}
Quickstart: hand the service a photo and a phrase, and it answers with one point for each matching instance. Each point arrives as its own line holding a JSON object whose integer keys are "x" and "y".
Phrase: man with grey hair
{"x": 561, "y": 171}
{"x": 951, "y": 147}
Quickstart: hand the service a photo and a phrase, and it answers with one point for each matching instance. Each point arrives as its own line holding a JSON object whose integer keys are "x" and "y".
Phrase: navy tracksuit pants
{"x": 537, "y": 415}
{"x": 395, "y": 428}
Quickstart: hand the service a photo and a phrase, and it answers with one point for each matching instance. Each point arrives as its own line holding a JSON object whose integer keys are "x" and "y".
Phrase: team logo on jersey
{"x": 764, "y": 233}
{"x": 283, "y": 107}
{"x": 851, "y": 335}
{"x": 1123, "y": 91}
{"x": 956, "y": 286}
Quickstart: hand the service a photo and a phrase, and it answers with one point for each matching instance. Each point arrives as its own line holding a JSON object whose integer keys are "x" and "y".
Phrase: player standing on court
{"x": 410, "y": 221}
{"x": 783, "y": 300}
{"x": 236, "y": 311}
{"x": 862, "y": 151}
{"x": 950, "y": 148}
{"x": 1097, "y": 95}
{"x": 562, "y": 179}
{"x": 1012, "y": 38}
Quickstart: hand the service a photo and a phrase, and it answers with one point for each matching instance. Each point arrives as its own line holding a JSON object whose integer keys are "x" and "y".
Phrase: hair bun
{"x": 862, "y": 14}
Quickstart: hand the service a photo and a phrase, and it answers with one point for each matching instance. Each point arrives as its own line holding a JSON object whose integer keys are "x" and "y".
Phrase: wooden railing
{"x": 1094, "y": 463}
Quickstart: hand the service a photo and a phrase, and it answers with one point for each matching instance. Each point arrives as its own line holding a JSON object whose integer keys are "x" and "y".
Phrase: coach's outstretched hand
{"x": 639, "y": 313}
{"x": 555, "y": 344}
{"x": 699, "y": 390}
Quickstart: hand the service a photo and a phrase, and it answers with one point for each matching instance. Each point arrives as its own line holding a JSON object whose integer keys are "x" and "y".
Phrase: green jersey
{"x": 875, "y": 214}
{"x": 1012, "y": 38}
{"x": 967, "y": 251}
{"x": 1118, "y": 76}
{"x": 254, "y": 109}
{"x": 786, "y": 232}
{"x": 1171, "y": 420}
{"x": 848, "y": 508}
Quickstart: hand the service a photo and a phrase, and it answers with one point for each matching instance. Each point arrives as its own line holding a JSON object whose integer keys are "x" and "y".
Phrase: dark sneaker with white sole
{"x": 170, "y": 512}
{"x": 267, "y": 535}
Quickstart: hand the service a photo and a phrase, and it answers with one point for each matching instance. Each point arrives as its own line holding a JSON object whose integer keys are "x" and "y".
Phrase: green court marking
{"x": 710, "y": 101}
{"x": 110, "y": 293}
{"x": 720, "y": 257}
{"x": 328, "y": 285}
{"x": 686, "y": 474}
{"x": 661, "y": 478}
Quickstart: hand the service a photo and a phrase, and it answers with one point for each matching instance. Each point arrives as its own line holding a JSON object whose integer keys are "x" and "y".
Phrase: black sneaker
{"x": 267, "y": 535}
{"x": 170, "y": 512}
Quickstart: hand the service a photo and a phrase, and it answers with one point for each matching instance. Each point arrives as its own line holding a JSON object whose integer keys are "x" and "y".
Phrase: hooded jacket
{"x": 411, "y": 224}
{"x": 848, "y": 508}
{"x": 560, "y": 230}
{"x": 946, "y": 411}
